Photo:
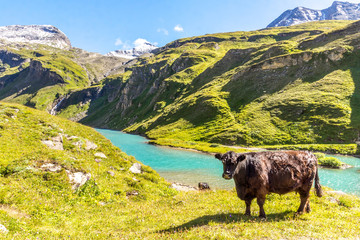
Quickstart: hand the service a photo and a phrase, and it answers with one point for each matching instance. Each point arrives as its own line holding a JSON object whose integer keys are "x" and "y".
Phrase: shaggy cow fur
{"x": 259, "y": 173}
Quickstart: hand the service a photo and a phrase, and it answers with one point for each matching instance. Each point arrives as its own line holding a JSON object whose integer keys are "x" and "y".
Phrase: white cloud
{"x": 123, "y": 45}
{"x": 118, "y": 42}
{"x": 127, "y": 45}
{"x": 163, "y": 30}
{"x": 178, "y": 28}
{"x": 140, "y": 41}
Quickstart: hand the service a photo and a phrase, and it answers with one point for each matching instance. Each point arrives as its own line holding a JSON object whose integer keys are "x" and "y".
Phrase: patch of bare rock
{"x": 135, "y": 168}
{"x": 55, "y": 143}
{"x": 76, "y": 179}
{"x": 100, "y": 155}
{"x": 3, "y": 229}
{"x": 90, "y": 145}
{"x": 183, "y": 187}
{"x": 50, "y": 167}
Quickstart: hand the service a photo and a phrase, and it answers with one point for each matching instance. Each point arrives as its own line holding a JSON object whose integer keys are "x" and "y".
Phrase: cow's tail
{"x": 318, "y": 189}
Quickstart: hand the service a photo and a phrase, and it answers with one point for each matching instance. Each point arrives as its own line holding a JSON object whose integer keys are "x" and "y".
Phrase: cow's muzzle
{"x": 227, "y": 176}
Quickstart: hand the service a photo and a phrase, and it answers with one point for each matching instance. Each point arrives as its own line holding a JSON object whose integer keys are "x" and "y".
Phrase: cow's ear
{"x": 218, "y": 156}
{"x": 241, "y": 157}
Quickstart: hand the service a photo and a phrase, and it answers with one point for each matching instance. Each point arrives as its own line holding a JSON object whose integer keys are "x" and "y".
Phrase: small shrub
{"x": 330, "y": 162}
{"x": 151, "y": 177}
{"x": 319, "y": 155}
{"x": 89, "y": 189}
{"x": 346, "y": 202}
{"x": 8, "y": 170}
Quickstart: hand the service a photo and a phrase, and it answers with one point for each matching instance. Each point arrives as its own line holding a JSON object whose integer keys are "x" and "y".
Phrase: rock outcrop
{"x": 77, "y": 179}
{"x": 55, "y": 143}
{"x": 3, "y": 229}
{"x": 135, "y": 168}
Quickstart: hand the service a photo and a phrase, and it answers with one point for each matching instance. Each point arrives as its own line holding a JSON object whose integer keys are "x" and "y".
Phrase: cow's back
{"x": 290, "y": 170}
{"x": 278, "y": 172}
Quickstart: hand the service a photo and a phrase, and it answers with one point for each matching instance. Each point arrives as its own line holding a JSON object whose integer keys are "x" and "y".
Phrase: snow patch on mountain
{"x": 337, "y": 11}
{"x": 34, "y": 34}
{"x": 142, "y": 46}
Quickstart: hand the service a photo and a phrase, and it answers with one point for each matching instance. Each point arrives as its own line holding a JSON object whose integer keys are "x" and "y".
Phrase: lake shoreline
{"x": 153, "y": 142}
{"x": 190, "y": 166}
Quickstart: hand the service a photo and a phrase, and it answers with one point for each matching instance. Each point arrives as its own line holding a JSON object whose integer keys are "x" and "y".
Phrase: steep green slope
{"x": 50, "y": 165}
{"x": 291, "y": 85}
{"x": 41, "y": 76}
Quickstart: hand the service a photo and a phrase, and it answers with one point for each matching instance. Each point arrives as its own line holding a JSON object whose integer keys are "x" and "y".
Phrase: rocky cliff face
{"x": 28, "y": 80}
{"x": 34, "y": 34}
{"x": 262, "y": 87}
{"x": 337, "y": 11}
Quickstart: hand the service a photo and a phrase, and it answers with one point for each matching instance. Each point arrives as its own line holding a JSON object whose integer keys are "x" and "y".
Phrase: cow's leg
{"x": 248, "y": 204}
{"x": 304, "y": 197}
{"x": 308, "y": 209}
{"x": 260, "y": 202}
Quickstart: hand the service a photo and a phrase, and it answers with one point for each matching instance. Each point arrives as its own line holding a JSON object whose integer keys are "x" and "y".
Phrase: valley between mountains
{"x": 288, "y": 87}
{"x": 277, "y": 86}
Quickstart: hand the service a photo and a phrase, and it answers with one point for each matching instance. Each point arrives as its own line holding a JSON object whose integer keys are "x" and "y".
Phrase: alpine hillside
{"x": 290, "y": 85}
{"x": 38, "y": 66}
{"x": 286, "y": 85}
{"x": 337, "y": 11}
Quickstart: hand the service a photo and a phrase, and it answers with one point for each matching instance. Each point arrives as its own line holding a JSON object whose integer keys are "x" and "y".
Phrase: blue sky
{"x": 103, "y": 26}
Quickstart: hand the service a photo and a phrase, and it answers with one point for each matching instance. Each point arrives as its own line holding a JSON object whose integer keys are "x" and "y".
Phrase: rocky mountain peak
{"x": 34, "y": 34}
{"x": 337, "y": 11}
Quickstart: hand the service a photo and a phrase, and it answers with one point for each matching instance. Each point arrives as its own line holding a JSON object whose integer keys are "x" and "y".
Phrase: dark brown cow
{"x": 258, "y": 173}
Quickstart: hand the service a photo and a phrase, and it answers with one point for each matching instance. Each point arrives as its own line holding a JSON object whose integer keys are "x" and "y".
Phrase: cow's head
{"x": 230, "y": 161}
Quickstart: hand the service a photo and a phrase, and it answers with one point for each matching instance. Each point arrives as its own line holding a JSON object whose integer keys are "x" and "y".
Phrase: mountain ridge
{"x": 337, "y": 11}
{"x": 35, "y": 34}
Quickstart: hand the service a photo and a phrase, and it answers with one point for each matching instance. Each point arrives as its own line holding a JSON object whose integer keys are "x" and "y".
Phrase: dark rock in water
{"x": 203, "y": 186}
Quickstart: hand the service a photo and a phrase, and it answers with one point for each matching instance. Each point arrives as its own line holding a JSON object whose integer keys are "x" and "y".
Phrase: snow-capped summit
{"x": 142, "y": 46}
{"x": 337, "y": 11}
{"x": 34, "y": 34}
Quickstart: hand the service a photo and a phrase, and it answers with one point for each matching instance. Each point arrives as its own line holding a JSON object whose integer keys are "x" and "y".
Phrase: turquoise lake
{"x": 189, "y": 167}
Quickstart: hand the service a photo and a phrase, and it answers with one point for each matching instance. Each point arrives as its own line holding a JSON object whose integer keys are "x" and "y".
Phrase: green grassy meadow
{"x": 117, "y": 204}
